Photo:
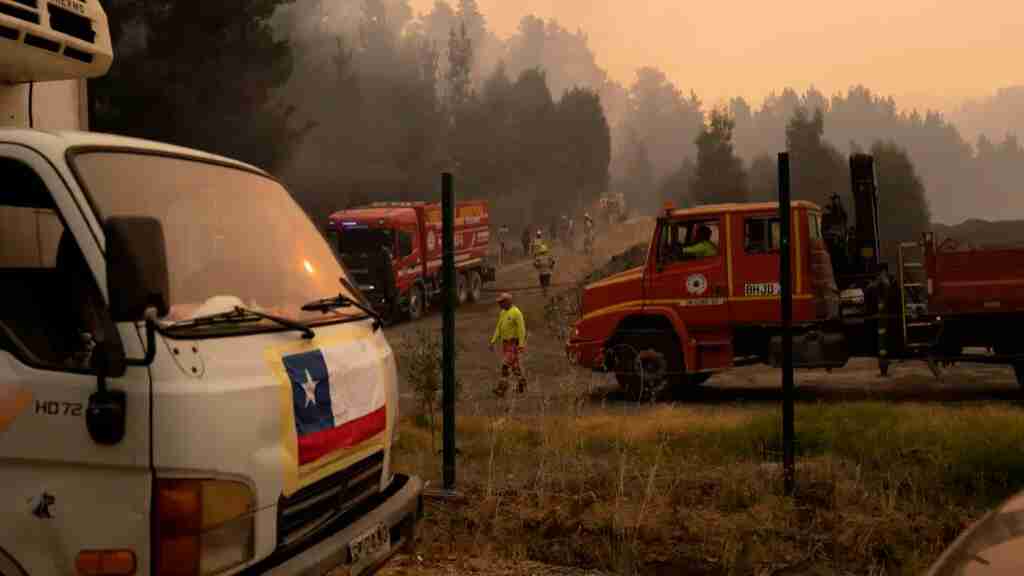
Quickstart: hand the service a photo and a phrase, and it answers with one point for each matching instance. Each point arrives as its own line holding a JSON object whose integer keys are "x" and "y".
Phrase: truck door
{"x": 756, "y": 288}
{"x": 58, "y": 481}
{"x": 756, "y": 269}
{"x": 407, "y": 258}
{"x": 694, "y": 284}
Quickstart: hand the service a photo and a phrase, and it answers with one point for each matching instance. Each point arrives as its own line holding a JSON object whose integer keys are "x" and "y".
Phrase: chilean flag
{"x": 336, "y": 413}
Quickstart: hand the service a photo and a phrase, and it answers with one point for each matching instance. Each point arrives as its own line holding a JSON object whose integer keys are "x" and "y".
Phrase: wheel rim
{"x": 414, "y": 303}
{"x": 474, "y": 286}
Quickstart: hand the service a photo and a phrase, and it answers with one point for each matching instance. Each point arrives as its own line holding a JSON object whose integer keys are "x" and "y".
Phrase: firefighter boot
{"x": 502, "y": 386}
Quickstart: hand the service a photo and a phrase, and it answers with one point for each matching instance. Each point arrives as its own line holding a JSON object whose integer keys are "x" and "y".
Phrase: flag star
{"x": 309, "y": 386}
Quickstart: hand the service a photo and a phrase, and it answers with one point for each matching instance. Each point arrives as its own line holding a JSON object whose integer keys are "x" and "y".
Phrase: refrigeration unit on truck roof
{"x": 44, "y": 40}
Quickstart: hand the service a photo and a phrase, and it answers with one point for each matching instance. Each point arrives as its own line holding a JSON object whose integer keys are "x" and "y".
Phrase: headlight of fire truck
{"x": 202, "y": 526}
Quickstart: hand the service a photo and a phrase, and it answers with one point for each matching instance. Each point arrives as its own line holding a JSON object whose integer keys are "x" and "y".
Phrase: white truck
{"x": 189, "y": 383}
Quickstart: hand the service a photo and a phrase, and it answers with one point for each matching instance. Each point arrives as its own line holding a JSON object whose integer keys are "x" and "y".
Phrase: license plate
{"x": 368, "y": 548}
{"x": 761, "y": 289}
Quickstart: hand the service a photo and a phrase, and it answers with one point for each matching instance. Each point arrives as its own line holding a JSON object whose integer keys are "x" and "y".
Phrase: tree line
{"x": 961, "y": 181}
{"x": 354, "y": 100}
{"x": 370, "y": 106}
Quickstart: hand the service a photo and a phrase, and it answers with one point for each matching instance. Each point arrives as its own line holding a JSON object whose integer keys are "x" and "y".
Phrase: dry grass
{"x": 562, "y": 477}
{"x": 882, "y": 489}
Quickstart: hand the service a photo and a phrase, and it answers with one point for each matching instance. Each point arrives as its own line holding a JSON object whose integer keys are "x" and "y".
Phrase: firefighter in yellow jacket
{"x": 543, "y": 261}
{"x": 511, "y": 333}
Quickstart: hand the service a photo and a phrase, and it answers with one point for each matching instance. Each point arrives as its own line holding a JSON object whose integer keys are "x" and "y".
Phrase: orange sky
{"x": 924, "y": 53}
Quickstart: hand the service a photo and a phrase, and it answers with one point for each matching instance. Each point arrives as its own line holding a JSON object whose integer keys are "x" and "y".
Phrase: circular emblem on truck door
{"x": 696, "y": 284}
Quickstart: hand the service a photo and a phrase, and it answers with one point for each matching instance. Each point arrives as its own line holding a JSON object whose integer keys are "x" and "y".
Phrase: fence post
{"x": 448, "y": 330}
{"x": 786, "y": 289}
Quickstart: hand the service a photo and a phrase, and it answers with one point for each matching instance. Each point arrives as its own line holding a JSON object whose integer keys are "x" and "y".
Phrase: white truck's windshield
{"x": 233, "y": 237}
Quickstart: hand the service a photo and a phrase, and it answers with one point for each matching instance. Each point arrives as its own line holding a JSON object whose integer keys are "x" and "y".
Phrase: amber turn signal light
{"x": 105, "y": 563}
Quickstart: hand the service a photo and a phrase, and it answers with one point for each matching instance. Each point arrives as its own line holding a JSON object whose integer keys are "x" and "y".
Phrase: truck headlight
{"x": 202, "y": 526}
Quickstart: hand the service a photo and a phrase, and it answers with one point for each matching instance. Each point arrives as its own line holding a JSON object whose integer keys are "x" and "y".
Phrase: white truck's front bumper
{"x": 399, "y": 508}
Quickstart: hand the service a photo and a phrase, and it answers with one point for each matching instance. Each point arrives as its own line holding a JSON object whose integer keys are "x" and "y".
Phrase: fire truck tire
{"x": 628, "y": 371}
{"x": 461, "y": 288}
{"x": 475, "y": 286}
{"x": 698, "y": 378}
{"x": 415, "y": 303}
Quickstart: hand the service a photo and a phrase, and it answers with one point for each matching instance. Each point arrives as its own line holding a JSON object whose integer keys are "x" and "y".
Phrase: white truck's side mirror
{"x": 138, "y": 289}
{"x": 137, "y": 275}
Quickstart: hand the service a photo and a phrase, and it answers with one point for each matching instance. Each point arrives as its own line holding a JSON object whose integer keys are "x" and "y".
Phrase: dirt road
{"x": 544, "y": 361}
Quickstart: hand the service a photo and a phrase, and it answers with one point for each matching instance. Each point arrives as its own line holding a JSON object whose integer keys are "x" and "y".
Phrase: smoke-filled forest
{"x": 353, "y": 100}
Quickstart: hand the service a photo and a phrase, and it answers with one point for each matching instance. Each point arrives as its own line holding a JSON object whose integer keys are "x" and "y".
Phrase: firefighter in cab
{"x": 543, "y": 261}
{"x": 703, "y": 247}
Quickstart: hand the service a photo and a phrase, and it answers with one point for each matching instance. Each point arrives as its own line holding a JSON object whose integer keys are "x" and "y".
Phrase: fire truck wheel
{"x": 475, "y": 286}
{"x": 698, "y": 378}
{"x": 462, "y": 290}
{"x": 646, "y": 366}
{"x": 415, "y": 303}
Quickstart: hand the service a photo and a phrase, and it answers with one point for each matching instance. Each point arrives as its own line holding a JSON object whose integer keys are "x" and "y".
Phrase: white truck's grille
{"x": 318, "y": 504}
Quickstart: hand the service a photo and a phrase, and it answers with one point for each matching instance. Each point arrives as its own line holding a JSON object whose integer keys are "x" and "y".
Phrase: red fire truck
{"x": 680, "y": 317}
{"x": 393, "y": 250}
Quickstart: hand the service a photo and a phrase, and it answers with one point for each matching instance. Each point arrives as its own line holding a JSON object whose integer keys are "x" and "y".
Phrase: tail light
{"x": 202, "y": 526}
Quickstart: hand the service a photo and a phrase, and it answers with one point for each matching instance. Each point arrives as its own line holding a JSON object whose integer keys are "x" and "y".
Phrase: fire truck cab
{"x": 688, "y": 312}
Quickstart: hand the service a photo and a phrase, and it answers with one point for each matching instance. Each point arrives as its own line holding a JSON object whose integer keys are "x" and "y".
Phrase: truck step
{"x": 917, "y": 346}
{"x": 713, "y": 343}
{"x": 913, "y": 284}
{"x": 913, "y": 265}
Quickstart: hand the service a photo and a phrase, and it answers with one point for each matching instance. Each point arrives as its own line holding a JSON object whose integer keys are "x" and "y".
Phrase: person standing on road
{"x": 525, "y": 239}
{"x": 543, "y": 261}
{"x": 502, "y": 235}
{"x": 588, "y": 233}
{"x": 511, "y": 333}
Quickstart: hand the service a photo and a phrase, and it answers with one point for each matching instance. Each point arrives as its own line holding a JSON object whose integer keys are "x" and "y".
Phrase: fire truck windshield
{"x": 231, "y": 235}
{"x": 355, "y": 240}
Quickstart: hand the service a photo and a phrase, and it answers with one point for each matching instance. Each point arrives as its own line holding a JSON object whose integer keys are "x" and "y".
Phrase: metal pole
{"x": 448, "y": 330}
{"x": 786, "y": 286}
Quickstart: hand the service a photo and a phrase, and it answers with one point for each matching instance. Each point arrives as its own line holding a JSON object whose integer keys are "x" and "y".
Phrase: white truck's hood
{"x": 274, "y": 410}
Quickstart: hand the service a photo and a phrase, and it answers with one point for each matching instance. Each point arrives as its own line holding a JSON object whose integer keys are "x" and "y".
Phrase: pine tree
{"x": 719, "y": 176}
{"x": 460, "y": 64}
{"x": 199, "y": 78}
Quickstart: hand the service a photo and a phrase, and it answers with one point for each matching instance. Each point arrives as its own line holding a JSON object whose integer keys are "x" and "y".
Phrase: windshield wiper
{"x": 342, "y": 301}
{"x": 240, "y": 314}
